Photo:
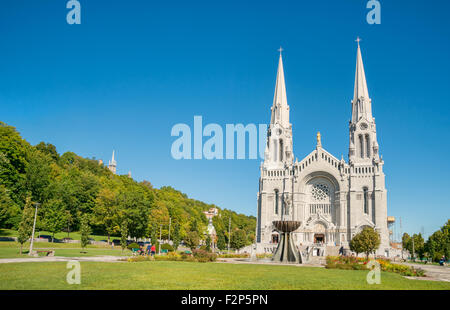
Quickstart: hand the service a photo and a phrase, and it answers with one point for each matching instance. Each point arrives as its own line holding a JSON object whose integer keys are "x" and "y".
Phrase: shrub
{"x": 167, "y": 247}
{"x": 133, "y": 245}
{"x": 244, "y": 255}
{"x": 140, "y": 258}
{"x": 204, "y": 256}
{"x": 171, "y": 256}
{"x": 357, "y": 263}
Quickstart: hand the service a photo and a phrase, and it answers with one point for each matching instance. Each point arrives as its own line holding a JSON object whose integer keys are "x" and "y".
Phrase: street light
{"x": 34, "y": 227}
{"x": 160, "y": 239}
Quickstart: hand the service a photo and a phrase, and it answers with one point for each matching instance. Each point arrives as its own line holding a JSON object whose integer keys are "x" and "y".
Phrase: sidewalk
{"x": 105, "y": 258}
{"x": 432, "y": 272}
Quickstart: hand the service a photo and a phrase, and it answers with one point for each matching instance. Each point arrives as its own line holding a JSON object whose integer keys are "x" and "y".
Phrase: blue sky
{"x": 133, "y": 69}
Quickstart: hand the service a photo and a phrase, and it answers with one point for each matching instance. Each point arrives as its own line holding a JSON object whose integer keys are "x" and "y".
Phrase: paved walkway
{"x": 105, "y": 258}
{"x": 432, "y": 272}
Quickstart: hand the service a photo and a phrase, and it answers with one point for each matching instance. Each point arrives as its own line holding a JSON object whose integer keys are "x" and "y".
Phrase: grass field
{"x": 11, "y": 249}
{"x": 188, "y": 275}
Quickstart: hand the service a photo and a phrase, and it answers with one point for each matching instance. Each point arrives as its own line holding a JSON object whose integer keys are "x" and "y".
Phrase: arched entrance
{"x": 319, "y": 233}
{"x": 275, "y": 237}
{"x": 319, "y": 238}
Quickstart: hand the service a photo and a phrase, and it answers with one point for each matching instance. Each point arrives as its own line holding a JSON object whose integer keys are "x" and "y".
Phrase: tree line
{"x": 70, "y": 188}
{"x": 436, "y": 246}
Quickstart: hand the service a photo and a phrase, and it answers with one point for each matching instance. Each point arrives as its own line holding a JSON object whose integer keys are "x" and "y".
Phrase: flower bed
{"x": 198, "y": 256}
{"x": 359, "y": 263}
{"x": 244, "y": 255}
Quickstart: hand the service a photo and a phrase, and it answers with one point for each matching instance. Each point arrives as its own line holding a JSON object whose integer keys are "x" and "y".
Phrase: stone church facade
{"x": 332, "y": 198}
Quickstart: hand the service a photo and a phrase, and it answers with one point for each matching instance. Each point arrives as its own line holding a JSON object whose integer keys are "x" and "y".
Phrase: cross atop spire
{"x": 280, "y": 50}
{"x": 358, "y": 39}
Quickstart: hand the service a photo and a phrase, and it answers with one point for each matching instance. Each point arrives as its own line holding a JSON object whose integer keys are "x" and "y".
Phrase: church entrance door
{"x": 319, "y": 238}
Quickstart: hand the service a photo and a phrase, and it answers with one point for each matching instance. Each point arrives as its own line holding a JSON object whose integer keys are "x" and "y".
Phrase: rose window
{"x": 320, "y": 192}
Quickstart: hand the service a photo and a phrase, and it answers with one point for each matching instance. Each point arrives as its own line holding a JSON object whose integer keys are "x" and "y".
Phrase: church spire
{"x": 361, "y": 103}
{"x": 280, "y": 108}
{"x": 363, "y": 136}
{"x": 112, "y": 165}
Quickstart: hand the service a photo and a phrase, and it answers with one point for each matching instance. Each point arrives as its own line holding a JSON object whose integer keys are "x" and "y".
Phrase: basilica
{"x": 332, "y": 198}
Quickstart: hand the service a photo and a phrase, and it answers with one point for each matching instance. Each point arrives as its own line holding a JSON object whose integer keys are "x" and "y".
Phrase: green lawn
{"x": 188, "y": 275}
{"x": 74, "y": 235}
{"x": 11, "y": 249}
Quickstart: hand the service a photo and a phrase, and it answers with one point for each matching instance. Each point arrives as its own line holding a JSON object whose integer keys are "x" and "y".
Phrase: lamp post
{"x": 229, "y": 234}
{"x": 34, "y": 227}
{"x": 170, "y": 223}
{"x": 160, "y": 239}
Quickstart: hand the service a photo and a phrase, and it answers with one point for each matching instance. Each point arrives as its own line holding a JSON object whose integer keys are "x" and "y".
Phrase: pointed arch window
{"x": 367, "y": 146}
{"x": 277, "y": 198}
{"x": 281, "y": 149}
{"x": 366, "y": 200}
{"x": 361, "y": 145}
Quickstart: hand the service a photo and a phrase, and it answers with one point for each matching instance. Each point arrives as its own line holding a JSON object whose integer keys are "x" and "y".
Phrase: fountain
{"x": 286, "y": 251}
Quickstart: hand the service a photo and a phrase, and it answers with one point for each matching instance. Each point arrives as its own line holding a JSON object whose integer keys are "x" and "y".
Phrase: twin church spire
{"x": 279, "y": 138}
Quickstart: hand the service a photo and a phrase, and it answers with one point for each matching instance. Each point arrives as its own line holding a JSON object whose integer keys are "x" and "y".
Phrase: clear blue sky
{"x": 133, "y": 69}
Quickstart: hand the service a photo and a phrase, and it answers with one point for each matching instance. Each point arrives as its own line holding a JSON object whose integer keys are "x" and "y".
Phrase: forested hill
{"x": 69, "y": 187}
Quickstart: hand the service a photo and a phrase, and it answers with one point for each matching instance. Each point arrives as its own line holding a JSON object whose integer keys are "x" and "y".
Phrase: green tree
{"x": 208, "y": 241}
{"x": 367, "y": 241}
{"x": 124, "y": 234}
{"x": 55, "y": 216}
{"x": 48, "y": 149}
{"x": 192, "y": 240}
{"x": 85, "y": 231}
{"x": 438, "y": 244}
{"x": 238, "y": 239}
{"x": 10, "y": 213}
{"x": 176, "y": 239}
{"x": 406, "y": 242}
{"x": 37, "y": 175}
{"x": 106, "y": 212}
{"x": 15, "y": 152}
{"x": 419, "y": 245}
{"x": 26, "y": 224}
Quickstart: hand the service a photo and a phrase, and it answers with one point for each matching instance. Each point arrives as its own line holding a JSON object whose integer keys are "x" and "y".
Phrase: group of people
{"x": 149, "y": 250}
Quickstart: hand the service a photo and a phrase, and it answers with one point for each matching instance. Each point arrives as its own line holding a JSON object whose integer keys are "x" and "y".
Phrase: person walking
{"x": 153, "y": 249}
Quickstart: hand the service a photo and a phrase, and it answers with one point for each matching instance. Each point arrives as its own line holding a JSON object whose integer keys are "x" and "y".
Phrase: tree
{"x": 124, "y": 234}
{"x": 176, "y": 239}
{"x": 26, "y": 224}
{"x": 10, "y": 213}
{"x": 15, "y": 152}
{"x": 367, "y": 241}
{"x": 192, "y": 239}
{"x": 48, "y": 149}
{"x": 419, "y": 245}
{"x": 55, "y": 216}
{"x": 106, "y": 211}
{"x": 37, "y": 176}
{"x": 238, "y": 239}
{"x": 406, "y": 242}
{"x": 208, "y": 243}
{"x": 438, "y": 244}
{"x": 85, "y": 231}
